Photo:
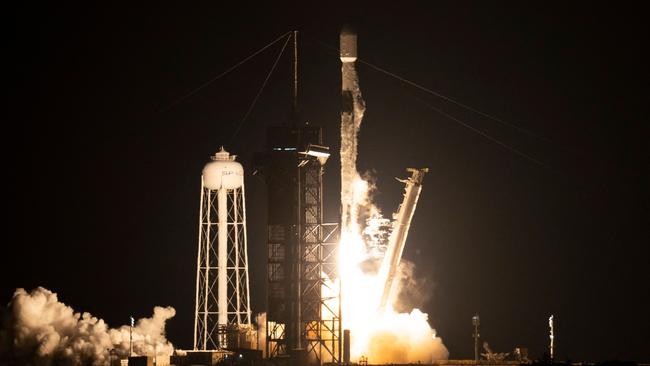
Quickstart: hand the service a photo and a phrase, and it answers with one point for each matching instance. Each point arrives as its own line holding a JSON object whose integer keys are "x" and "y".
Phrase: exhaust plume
{"x": 38, "y": 329}
{"x": 377, "y": 331}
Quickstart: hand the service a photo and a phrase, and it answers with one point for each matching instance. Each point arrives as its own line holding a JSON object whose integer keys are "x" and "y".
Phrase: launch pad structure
{"x": 303, "y": 323}
{"x": 303, "y": 319}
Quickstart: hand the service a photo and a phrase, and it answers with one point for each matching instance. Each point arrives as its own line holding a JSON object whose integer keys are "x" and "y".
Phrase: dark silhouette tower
{"x": 303, "y": 311}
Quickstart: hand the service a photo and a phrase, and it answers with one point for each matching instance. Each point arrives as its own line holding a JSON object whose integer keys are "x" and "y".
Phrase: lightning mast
{"x": 476, "y": 322}
{"x": 551, "y": 346}
{"x": 302, "y": 324}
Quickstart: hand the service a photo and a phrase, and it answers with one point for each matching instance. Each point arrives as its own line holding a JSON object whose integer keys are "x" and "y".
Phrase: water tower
{"x": 222, "y": 316}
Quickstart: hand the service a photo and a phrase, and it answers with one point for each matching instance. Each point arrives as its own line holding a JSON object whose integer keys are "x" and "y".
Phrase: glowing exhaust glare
{"x": 317, "y": 151}
{"x": 380, "y": 335}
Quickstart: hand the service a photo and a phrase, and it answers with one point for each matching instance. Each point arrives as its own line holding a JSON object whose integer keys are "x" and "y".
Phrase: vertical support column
{"x": 346, "y": 346}
{"x": 198, "y": 270}
{"x": 297, "y": 262}
{"x": 222, "y": 258}
{"x": 244, "y": 260}
{"x": 206, "y": 277}
{"x": 295, "y": 77}
{"x": 236, "y": 223}
{"x": 551, "y": 346}
{"x": 476, "y": 323}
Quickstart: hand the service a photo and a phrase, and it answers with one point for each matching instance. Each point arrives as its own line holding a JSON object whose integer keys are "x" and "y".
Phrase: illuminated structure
{"x": 400, "y": 231}
{"x": 222, "y": 314}
{"x": 476, "y": 322}
{"x": 551, "y": 335}
{"x": 302, "y": 321}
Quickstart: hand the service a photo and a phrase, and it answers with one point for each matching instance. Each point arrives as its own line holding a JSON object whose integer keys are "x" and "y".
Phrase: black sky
{"x": 104, "y": 188}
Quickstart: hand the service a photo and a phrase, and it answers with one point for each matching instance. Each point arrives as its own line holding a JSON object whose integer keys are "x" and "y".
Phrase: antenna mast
{"x": 551, "y": 335}
{"x": 294, "y": 111}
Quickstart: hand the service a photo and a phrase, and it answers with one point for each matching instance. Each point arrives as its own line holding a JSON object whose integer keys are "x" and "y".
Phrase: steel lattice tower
{"x": 222, "y": 315}
{"x": 303, "y": 319}
{"x": 319, "y": 246}
{"x": 303, "y": 314}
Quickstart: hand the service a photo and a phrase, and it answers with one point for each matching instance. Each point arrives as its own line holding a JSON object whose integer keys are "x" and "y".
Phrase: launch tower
{"x": 303, "y": 311}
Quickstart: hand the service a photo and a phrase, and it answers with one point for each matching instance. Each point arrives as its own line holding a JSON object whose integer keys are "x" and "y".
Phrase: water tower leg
{"x": 222, "y": 262}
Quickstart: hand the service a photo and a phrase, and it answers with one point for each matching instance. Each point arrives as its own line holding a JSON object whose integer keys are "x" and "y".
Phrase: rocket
{"x": 348, "y": 45}
{"x": 352, "y": 109}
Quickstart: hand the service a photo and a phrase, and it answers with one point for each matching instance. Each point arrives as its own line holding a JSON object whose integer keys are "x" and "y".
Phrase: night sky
{"x": 103, "y": 187}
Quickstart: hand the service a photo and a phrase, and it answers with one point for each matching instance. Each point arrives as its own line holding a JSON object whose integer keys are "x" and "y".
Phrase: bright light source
{"x": 322, "y": 153}
{"x": 317, "y": 151}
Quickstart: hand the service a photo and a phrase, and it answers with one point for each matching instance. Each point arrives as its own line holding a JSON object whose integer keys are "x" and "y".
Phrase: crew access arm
{"x": 401, "y": 224}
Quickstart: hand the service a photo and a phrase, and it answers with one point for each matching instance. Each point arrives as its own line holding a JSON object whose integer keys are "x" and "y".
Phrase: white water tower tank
{"x": 222, "y": 297}
{"x": 223, "y": 172}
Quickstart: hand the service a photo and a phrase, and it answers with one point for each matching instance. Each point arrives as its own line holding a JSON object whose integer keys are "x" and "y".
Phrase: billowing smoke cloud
{"x": 148, "y": 334}
{"x": 40, "y": 330}
{"x": 404, "y": 338}
{"x": 410, "y": 290}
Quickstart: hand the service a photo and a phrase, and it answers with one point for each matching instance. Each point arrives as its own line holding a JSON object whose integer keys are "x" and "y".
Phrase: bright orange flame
{"x": 381, "y": 336}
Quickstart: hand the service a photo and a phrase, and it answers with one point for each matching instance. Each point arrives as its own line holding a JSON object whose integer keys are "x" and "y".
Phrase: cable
{"x": 512, "y": 149}
{"x": 521, "y": 129}
{"x": 194, "y": 91}
{"x": 250, "y": 108}
{"x": 457, "y": 103}
{"x": 377, "y": 68}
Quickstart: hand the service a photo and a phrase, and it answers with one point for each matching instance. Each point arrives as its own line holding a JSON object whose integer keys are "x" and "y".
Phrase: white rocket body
{"x": 348, "y": 45}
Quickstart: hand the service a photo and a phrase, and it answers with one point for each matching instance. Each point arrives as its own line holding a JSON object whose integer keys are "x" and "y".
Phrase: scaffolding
{"x": 303, "y": 313}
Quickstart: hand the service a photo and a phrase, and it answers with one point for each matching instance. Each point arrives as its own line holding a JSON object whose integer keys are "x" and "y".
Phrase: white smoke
{"x": 260, "y": 320}
{"x": 40, "y": 330}
{"x": 410, "y": 290}
{"x": 404, "y": 338}
{"x": 148, "y": 334}
{"x": 402, "y": 334}
{"x": 351, "y": 117}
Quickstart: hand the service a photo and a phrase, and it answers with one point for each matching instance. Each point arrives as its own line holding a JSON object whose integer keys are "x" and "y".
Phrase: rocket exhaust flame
{"x": 378, "y": 332}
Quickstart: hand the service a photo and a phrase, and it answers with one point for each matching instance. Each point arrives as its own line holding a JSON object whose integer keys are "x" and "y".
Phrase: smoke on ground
{"x": 38, "y": 329}
{"x": 404, "y": 338}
